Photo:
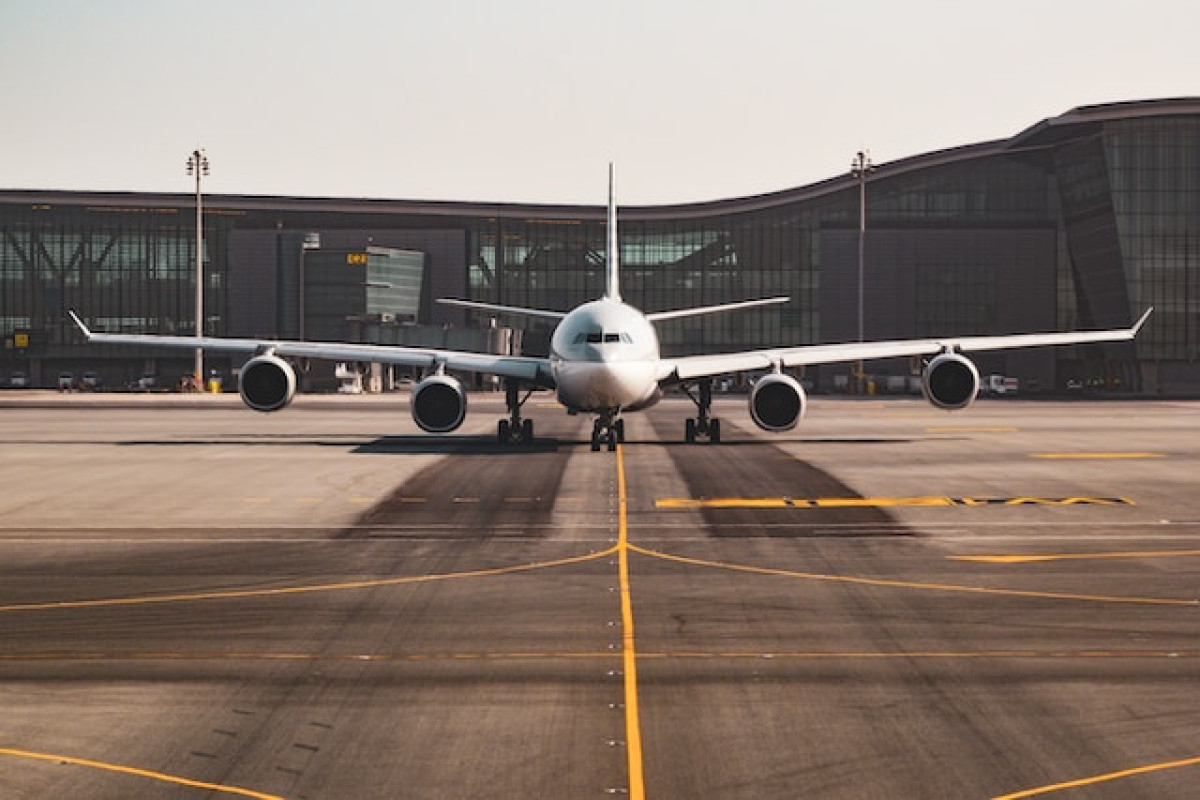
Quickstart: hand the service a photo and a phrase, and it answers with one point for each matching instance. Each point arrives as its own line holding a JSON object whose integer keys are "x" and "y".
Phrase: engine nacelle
{"x": 950, "y": 381}
{"x": 777, "y": 402}
{"x": 267, "y": 383}
{"x": 439, "y": 404}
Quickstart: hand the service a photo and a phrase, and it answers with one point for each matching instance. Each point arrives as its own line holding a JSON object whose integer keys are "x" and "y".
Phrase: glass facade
{"x": 1081, "y": 221}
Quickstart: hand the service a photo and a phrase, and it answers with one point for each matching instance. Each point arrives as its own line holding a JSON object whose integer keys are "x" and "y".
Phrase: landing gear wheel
{"x": 608, "y": 432}
{"x": 702, "y": 426}
{"x": 515, "y": 430}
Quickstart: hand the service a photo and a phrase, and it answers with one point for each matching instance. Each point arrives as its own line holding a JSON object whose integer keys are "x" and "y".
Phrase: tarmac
{"x": 197, "y": 600}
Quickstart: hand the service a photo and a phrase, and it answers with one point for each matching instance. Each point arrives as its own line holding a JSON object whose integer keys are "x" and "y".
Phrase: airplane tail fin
{"x": 612, "y": 267}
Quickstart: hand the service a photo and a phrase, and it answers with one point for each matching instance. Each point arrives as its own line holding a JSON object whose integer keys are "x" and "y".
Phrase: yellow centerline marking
{"x": 1084, "y": 455}
{"x": 633, "y": 729}
{"x": 141, "y": 773}
{"x": 1111, "y": 776}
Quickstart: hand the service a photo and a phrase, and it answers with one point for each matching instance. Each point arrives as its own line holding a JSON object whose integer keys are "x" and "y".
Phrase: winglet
{"x": 612, "y": 269}
{"x": 84, "y": 328}
{"x": 1138, "y": 325}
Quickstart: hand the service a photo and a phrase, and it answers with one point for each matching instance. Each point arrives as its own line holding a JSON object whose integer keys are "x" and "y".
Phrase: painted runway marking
{"x": 1086, "y": 455}
{"x": 1029, "y": 558}
{"x": 237, "y": 594}
{"x": 141, "y": 773}
{"x": 888, "y": 583}
{"x": 932, "y": 501}
{"x": 973, "y": 429}
{"x": 1111, "y": 776}
{"x": 633, "y": 728}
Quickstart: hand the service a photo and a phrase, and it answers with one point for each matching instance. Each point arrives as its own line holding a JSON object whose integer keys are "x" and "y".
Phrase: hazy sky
{"x": 528, "y": 100}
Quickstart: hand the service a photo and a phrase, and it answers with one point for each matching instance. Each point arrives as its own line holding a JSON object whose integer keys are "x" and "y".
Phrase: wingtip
{"x": 78, "y": 322}
{"x": 1138, "y": 325}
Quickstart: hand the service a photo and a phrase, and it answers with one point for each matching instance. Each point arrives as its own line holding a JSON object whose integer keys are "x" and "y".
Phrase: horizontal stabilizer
{"x": 496, "y": 309}
{"x": 695, "y": 312}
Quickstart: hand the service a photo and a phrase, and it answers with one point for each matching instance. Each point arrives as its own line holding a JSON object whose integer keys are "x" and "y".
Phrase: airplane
{"x": 605, "y": 361}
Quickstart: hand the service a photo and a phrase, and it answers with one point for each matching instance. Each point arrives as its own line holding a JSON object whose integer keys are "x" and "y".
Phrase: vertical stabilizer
{"x": 612, "y": 269}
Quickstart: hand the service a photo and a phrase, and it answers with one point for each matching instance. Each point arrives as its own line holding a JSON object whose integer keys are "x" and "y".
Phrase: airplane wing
{"x": 534, "y": 370}
{"x": 691, "y": 367}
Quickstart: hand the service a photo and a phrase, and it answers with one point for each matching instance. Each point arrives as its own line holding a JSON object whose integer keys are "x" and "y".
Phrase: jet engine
{"x": 267, "y": 383}
{"x": 950, "y": 381}
{"x": 439, "y": 404}
{"x": 777, "y": 402}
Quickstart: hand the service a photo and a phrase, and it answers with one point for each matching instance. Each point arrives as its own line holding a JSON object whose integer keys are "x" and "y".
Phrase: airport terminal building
{"x": 1080, "y": 221}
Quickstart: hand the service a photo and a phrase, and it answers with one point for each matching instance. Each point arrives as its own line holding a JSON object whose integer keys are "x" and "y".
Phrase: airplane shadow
{"x": 426, "y": 444}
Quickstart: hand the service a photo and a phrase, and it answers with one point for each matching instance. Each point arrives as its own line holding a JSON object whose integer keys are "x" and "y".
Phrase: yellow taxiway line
{"x": 141, "y": 773}
{"x": 233, "y": 594}
{"x": 1111, "y": 776}
{"x": 633, "y": 728}
{"x": 889, "y": 583}
{"x": 931, "y": 501}
{"x": 1029, "y": 558}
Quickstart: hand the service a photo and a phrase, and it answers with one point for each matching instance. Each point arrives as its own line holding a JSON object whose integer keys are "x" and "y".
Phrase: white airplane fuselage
{"x": 604, "y": 356}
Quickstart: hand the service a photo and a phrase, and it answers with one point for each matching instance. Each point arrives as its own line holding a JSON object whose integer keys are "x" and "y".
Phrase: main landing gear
{"x": 515, "y": 430}
{"x": 608, "y": 430}
{"x": 702, "y": 427}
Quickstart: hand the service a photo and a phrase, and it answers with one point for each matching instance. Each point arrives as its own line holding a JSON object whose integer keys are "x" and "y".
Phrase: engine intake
{"x": 439, "y": 404}
{"x": 267, "y": 383}
{"x": 777, "y": 402}
{"x": 950, "y": 381}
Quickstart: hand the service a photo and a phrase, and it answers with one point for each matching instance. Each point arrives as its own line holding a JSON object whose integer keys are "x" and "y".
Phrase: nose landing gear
{"x": 608, "y": 431}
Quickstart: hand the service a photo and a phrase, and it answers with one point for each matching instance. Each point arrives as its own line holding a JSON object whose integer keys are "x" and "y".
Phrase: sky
{"x": 529, "y": 100}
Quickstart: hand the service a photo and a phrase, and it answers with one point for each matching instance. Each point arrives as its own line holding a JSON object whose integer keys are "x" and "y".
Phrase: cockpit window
{"x": 597, "y": 337}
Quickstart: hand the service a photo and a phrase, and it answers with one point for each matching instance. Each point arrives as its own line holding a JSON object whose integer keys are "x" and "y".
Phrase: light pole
{"x": 197, "y": 165}
{"x": 859, "y": 168}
